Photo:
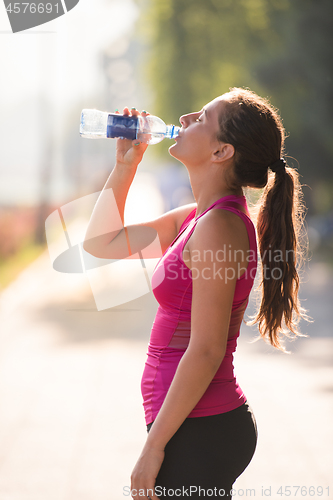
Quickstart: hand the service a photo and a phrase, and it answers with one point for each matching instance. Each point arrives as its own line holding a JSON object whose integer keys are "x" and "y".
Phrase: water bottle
{"x": 102, "y": 125}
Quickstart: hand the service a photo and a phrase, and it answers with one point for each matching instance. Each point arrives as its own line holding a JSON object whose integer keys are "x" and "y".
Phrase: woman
{"x": 201, "y": 430}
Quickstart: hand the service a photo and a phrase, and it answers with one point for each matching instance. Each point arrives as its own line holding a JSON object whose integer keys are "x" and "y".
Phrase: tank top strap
{"x": 218, "y": 204}
{"x": 245, "y": 216}
{"x": 188, "y": 219}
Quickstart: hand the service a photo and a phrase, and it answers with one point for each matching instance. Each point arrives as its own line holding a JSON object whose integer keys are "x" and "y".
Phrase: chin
{"x": 172, "y": 151}
{"x": 175, "y": 154}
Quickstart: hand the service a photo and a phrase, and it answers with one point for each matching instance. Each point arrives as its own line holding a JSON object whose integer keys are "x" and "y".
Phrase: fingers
{"x": 152, "y": 497}
{"x": 133, "y": 112}
{"x": 137, "y": 145}
{"x": 143, "y": 494}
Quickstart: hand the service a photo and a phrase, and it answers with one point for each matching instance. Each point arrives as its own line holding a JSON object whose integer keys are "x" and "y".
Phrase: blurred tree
{"x": 298, "y": 74}
{"x": 282, "y": 49}
{"x": 200, "y": 49}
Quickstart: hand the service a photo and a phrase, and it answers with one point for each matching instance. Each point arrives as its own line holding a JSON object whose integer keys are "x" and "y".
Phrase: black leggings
{"x": 206, "y": 455}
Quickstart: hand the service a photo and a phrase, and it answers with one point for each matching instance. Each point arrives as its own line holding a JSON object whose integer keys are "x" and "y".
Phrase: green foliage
{"x": 282, "y": 49}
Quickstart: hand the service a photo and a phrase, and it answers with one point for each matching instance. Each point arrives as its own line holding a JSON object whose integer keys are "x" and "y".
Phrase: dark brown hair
{"x": 253, "y": 126}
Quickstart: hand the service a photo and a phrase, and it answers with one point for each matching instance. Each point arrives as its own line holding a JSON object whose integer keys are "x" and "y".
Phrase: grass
{"x": 12, "y": 266}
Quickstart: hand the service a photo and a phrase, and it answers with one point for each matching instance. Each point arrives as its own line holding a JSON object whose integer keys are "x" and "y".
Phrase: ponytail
{"x": 253, "y": 126}
{"x": 280, "y": 219}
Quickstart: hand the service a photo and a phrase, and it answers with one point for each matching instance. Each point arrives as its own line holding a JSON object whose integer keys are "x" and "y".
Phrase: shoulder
{"x": 220, "y": 227}
{"x": 219, "y": 222}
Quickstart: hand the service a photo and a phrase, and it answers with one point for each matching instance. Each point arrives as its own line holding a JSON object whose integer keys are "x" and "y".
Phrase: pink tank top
{"x": 172, "y": 325}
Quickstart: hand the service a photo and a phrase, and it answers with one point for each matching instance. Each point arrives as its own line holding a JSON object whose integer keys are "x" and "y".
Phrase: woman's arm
{"x": 213, "y": 293}
{"x": 107, "y": 219}
{"x": 107, "y": 237}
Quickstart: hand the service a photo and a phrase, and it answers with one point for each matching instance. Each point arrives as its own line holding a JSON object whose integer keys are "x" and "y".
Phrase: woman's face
{"x": 197, "y": 140}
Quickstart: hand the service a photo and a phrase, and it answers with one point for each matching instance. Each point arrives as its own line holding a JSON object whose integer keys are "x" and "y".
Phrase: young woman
{"x": 201, "y": 430}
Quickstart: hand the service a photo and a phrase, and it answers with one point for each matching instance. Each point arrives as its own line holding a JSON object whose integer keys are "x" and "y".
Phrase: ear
{"x": 223, "y": 153}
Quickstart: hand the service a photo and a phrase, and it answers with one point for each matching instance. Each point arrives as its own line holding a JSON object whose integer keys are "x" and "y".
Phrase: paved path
{"x": 71, "y": 418}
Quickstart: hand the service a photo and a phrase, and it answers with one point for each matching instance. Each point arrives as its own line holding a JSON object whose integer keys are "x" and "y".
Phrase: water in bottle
{"x": 148, "y": 129}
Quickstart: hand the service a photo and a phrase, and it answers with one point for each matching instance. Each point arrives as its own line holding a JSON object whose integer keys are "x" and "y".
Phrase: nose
{"x": 186, "y": 119}
{"x": 182, "y": 120}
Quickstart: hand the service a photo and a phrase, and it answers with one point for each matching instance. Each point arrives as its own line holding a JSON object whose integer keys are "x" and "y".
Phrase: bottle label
{"x": 125, "y": 127}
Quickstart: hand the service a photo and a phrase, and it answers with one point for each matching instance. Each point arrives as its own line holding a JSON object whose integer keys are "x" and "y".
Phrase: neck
{"x": 208, "y": 188}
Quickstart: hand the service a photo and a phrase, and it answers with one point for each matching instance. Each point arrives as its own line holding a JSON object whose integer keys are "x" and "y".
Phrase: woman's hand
{"x": 130, "y": 153}
{"x": 145, "y": 472}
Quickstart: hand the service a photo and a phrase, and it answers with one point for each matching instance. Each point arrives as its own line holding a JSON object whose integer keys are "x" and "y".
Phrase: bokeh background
{"x": 71, "y": 417}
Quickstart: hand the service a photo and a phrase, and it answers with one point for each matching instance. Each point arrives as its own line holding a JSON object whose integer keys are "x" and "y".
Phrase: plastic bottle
{"x": 102, "y": 125}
